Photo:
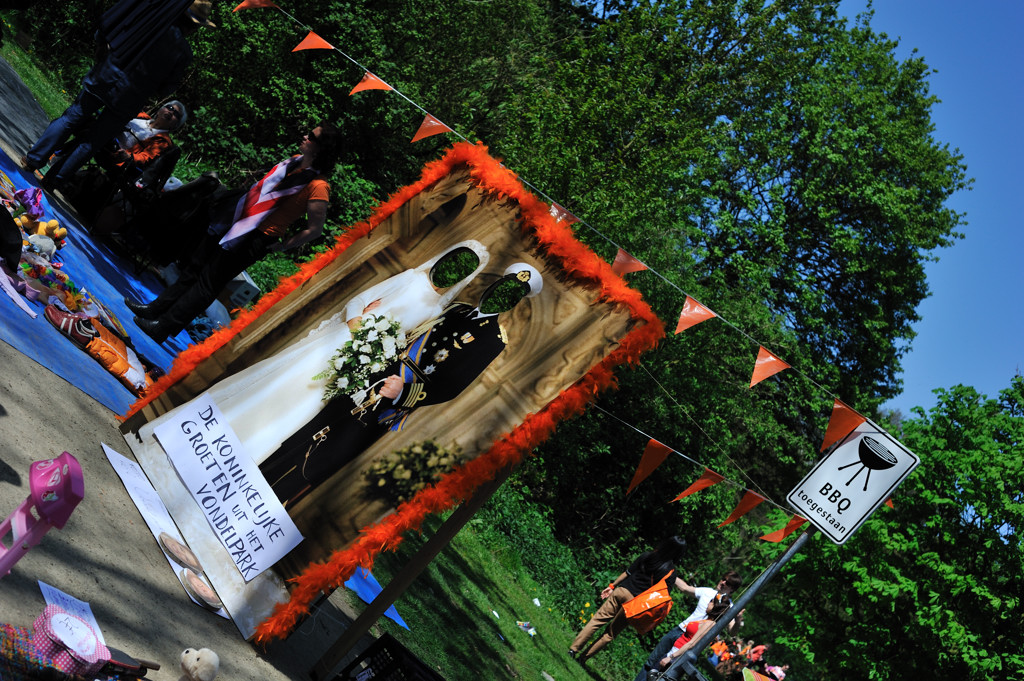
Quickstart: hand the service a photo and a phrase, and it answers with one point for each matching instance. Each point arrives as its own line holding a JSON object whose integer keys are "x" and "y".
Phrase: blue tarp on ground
{"x": 108, "y": 278}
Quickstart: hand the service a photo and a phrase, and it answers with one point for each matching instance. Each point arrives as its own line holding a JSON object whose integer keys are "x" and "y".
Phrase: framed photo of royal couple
{"x": 462, "y": 319}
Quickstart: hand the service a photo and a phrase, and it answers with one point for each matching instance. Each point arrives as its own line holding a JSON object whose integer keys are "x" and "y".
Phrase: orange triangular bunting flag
{"x": 778, "y": 535}
{"x": 559, "y": 213}
{"x": 370, "y": 82}
{"x": 625, "y": 263}
{"x": 766, "y": 365}
{"x": 430, "y": 126}
{"x": 255, "y": 4}
{"x": 313, "y": 42}
{"x": 709, "y": 478}
{"x": 747, "y": 503}
{"x": 654, "y": 455}
{"x": 693, "y": 313}
{"x": 888, "y": 502}
{"x": 843, "y": 420}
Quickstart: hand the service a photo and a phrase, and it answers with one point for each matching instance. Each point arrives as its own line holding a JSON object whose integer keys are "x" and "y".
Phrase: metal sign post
{"x": 830, "y": 500}
{"x": 685, "y": 666}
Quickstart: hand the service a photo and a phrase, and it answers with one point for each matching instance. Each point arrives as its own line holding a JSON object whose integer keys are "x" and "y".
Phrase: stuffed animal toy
{"x": 199, "y": 665}
{"x": 50, "y": 228}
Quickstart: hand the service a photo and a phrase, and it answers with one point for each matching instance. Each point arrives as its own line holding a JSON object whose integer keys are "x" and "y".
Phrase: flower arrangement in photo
{"x": 401, "y": 474}
{"x": 374, "y": 344}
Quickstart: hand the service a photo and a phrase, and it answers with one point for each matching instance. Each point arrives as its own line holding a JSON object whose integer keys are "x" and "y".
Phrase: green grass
{"x": 457, "y": 596}
{"x": 47, "y": 90}
{"x": 450, "y": 611}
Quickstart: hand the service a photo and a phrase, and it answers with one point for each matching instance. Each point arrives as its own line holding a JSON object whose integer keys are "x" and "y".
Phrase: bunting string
{"x": 625, "y": 262}
{"x": 558, "y": 209}
{"x": 696, "y": 424}
{"x": 729, "y": 481}
{"x": 357, "y": 63}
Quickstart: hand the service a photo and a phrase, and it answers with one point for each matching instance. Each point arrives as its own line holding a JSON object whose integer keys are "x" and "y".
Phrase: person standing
{"x": 729, "y": 582}
{"x": 756, "y": 656}
{"x": 642, "y": 574}
{"x": 112, "y": 96}
{"x": 255, "y": 225}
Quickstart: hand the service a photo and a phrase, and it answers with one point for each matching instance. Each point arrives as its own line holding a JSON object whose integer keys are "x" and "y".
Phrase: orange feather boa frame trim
{"x": 560, "y": 246}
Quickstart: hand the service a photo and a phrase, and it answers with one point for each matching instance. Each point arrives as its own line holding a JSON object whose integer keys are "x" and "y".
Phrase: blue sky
{"x": 972, "y": 328}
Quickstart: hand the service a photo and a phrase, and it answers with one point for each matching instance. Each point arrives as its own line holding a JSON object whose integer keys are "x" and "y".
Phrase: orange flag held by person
{"x": 703, "y": 482}
{"x": 842, "y": 421}
{"x": 255, "y": 4}
{"x": 313, "y": 42}
{"x": 625, "y": 263}
{"x": 559, "y": 213}
{"x": 430, "y": 126}
{"x": 746, "y": 505}
{"x": 693, "y": 313}
{"x": 778, "y": 535}
{"x": 766, "y": 365}
{"x": 370, "y": 82}
{"x": 654, "y": 455}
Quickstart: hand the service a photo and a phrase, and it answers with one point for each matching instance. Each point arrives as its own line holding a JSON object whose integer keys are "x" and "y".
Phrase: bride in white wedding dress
{"x": 267, "y": 402}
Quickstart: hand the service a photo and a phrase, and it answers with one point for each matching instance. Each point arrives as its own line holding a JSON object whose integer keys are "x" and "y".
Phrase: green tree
{"x": 776, "y": 163}
{"x": 935, "y": 582}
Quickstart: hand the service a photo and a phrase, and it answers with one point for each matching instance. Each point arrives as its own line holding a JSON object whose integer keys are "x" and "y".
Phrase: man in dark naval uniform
{"x": 434, "y": 367}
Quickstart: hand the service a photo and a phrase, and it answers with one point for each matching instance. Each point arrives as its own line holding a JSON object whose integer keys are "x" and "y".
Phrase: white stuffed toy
{"x": 199, "y": 665}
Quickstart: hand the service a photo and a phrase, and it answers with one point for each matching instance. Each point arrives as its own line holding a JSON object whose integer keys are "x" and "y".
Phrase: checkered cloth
{"x": 19, "y": 660}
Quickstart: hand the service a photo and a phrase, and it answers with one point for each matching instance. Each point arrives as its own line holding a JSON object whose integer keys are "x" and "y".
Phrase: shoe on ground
{"x": 144, "y": 310}
{"x": 27, "y": 164}
{"x": 572, "y": 653}
{"x": 156, "y": 330}
{"x": 79, "y": 331}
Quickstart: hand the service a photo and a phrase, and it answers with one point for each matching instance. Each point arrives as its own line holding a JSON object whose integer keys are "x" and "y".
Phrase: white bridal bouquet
{"x": 374, "y": 344}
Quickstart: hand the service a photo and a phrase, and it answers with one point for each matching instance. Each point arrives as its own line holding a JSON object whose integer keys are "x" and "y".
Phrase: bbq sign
{"x": 853, "y": 480}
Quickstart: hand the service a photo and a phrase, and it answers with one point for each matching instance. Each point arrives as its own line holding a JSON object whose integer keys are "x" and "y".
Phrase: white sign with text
{"x": 228, "y": 486}
{"x": 852, "y": 481}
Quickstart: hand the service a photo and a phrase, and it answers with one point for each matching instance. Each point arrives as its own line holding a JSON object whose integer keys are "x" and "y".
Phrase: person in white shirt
{"x": 729, "y": 582}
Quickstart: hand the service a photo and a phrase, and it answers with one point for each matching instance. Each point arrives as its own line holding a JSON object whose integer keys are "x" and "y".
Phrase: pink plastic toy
{"x": 55, "y": 488}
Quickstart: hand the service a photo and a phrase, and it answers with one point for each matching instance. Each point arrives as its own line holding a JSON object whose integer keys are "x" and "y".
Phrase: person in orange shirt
{"x": 246, "y": 230}
{"x": 720, "y": 652}
{"x": 757, "y": 652}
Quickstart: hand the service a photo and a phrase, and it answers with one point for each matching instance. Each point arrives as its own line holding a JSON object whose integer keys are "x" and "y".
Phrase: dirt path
{"x": 105, "y": 554}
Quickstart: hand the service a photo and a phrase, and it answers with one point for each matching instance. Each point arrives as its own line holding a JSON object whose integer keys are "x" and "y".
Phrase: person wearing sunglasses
{"x": 246, "y": 226}
{"x": 143, "y": 151}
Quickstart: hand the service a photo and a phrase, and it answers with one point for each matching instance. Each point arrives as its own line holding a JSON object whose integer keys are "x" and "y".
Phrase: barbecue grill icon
{"x": 873, "y": 456}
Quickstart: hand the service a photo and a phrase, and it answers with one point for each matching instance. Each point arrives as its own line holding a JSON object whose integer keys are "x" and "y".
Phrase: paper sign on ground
{"x": 228, "y": 486}
{"x": 152, "y": 509}
{"x": 71, "y": 605}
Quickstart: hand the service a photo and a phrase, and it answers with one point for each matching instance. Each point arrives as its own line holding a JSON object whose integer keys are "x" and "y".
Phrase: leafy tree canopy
{"x": 771, "y": 159}
{"x": 934, "y": 583}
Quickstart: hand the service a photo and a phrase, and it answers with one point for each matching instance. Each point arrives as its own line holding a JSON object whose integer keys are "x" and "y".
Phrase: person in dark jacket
{"x": 114, "y": 96}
